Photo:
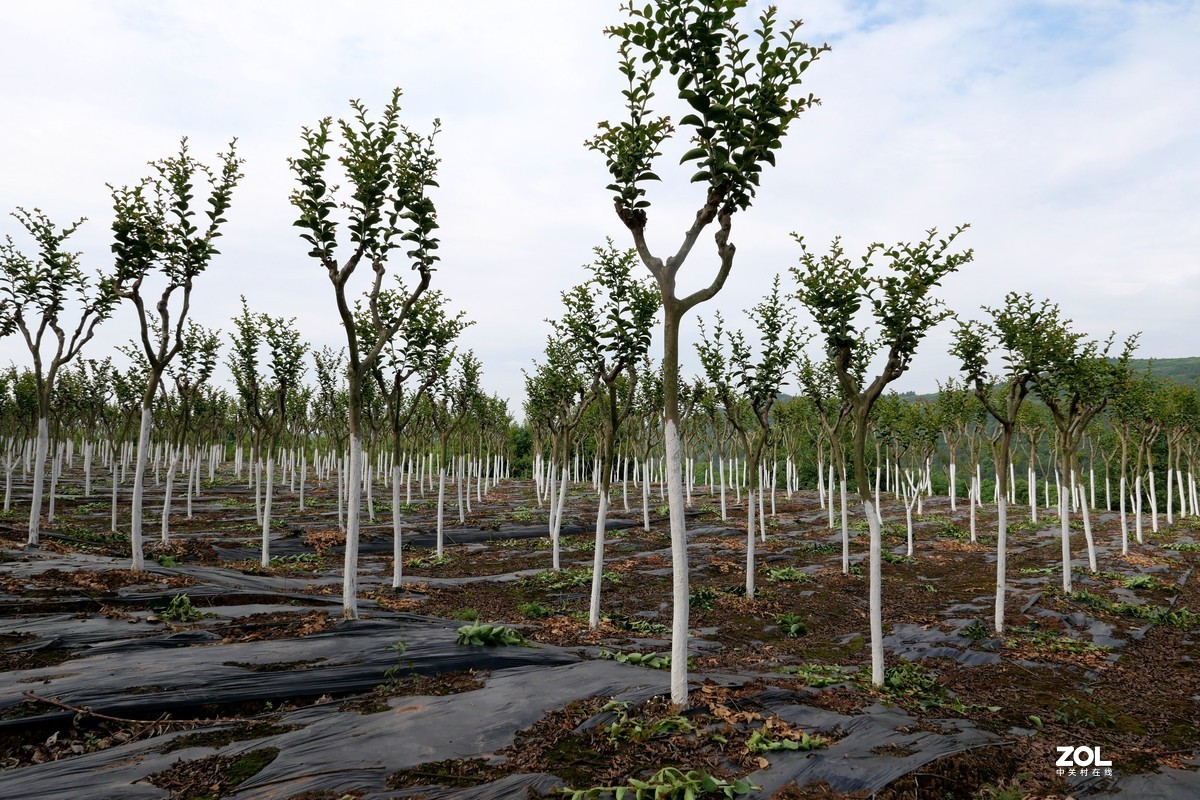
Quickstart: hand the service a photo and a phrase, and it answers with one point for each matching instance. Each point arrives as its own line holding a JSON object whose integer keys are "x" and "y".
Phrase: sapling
{"x": 747, "y": 385}
{"x": 1016, "y": 331}
{"x": 422, "y": 347}
{"x": 1076, "y": 384}
{"x": 157, "y": 242}
{"x": 833, "y": 289}
{"x": 609, "y": 319}
{"x": 390, "y": 170}
{"x": 741, "y": 93}
{"x": 56, "y": 308}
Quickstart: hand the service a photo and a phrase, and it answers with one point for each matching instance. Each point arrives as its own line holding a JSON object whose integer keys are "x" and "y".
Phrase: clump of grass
{"x": 976, "y": 631}
{"x": 761, "y": 741}
{"x": 488, "y": 635}
{"x": 791, "y": 625}
{"x": 651, "y": 660}
{"x": 180, "y": 609}
{"x": 819, "y": 676}
{"x": 703, "y": 599}
{"x": 568, "y": 578}
{"x": 788, "y": 575}
{"x": 534, "y": 610}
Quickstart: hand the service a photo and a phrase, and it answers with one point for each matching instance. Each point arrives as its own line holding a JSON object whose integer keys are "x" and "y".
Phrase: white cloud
{"x": 1065, "y": 132}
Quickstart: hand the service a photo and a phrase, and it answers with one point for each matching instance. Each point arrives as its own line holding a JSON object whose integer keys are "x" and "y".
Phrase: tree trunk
{"x": 39, "y": 479}
{"x": 441, "y": 508}
{"x": 266, "y": 517}
{"x": 1064, "y": 518}
{"x": 139, "y": 481}
{"x": 353, "y": 492}
{"x": 397, "y": 546}
{"x": 166, "y": 512}
{"x": 598, "y": 559}
{"x": 555, "y": 542}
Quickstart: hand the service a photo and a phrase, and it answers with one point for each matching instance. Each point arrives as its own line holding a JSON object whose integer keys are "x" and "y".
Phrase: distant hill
{"x": 1183, "y": 370}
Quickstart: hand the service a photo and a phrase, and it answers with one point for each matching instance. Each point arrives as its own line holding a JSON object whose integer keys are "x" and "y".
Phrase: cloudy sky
{"x": 1067, "y": 132}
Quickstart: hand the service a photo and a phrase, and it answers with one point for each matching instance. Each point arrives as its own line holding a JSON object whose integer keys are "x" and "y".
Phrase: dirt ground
{"x": 210, "y": 676}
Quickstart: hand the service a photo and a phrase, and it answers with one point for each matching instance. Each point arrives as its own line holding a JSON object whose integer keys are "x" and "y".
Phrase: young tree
{"x": 423, "y": 347}
{"x": 196, "y": 361}
{"x": 267, "y": 394}
{"x": 390, "y": 170}
{"x": 903, "y": 310}
{"x": 609, "y": 318}
{"x": 158, "y": 243}
{"x": 559, "y": 394}
{"x": 818, "y": 381}
{"x": 453, "y": 389}
{"x": 1076, "y": 384}
{"x": 742, "y": 104}
{"x": 1017, "y": 331}
{"x": 739, "y": 375}
{"x": 56, "y": 308}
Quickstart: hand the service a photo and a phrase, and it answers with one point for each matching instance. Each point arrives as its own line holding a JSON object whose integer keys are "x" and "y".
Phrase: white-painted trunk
{"x": 555, "y": 541}
{"x": 972, "y": 492}
{"x": 115, "y": 483}
{"x": 1087, "y": 528}
{"x": 750, "y": 547}
{"x": 1031, "y": 490}
{"x": 1124, "y": 520}
{"x": 876, "y": 593}
{"x": 1064, "y": 516}
{"x": 1001, "y": 564}
{"x": 139, "y": 481}
{"x": 953, "y": 485}
{"x": 354, "y": 493}
{"x": 39, "y": 480}
{"x": 1137, "y": 507}
{"x": 845, "y": 525}
{"x": 1153, "y": 501}
{"x": 303, "y": 474}
{"x": 645, "y": 500}
{"x": 598, "y": 563}
{"x": 166, "y": 510}
{"x": 441, "y": 509}
{"x": 762, "y": 513}
{"x": 397, "y": 545}
{"x": 721, "y": 463}
{"x": 679, "y": 568}
{"x": 266, "y": 518}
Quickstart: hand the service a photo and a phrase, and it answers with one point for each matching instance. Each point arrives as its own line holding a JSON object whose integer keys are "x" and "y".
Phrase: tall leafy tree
{"x": 390, "y": 170}
{"x": 190, "y": 373}
{"x": 55, "y": 306}
{"x": 158, "y": 246}
{"x": 741, "y": 90}
{"x": 902, "y": 311}
{"x": 267, "y": 391}
{"x": 1016, "y": 333}
{"x": 748, "y": 383}
{"x": 609, "y": 317}
{"x": 1077, "y": 383}
{"x": 423, "y": 346}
